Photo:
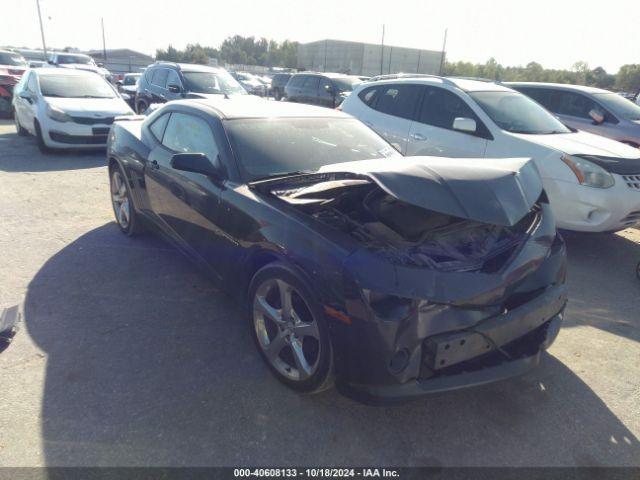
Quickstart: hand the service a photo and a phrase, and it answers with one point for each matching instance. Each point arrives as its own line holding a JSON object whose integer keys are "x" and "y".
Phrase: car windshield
{"x": 75, "y": 86}
{"x": 346, "y": 84}
{"x": 12, "y": 59}
{"x": 82, "y": 59}
{"x": 279, "y": 146}
{"x": 619, "y": 105}
{"x": 210, "y": 82}
{"x": 517, "y": 113}
{"x": 130, "y": 80}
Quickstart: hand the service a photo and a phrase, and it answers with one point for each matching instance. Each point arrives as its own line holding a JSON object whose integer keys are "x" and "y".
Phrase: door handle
{"x": 418, "y": 136}
{"x": 154, "y": 165}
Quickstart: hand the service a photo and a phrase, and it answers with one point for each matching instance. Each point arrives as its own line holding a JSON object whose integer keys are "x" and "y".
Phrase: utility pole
{"x": 44, "y": 45}
{"x": 444, "y": 48}
{"x": 104, "y": 45}
{"x": 382, "y": 51}
{"x": 324, "y": 64}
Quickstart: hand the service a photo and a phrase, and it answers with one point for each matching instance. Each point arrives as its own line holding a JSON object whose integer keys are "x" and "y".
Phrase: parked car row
{"x": 593, "y": 182}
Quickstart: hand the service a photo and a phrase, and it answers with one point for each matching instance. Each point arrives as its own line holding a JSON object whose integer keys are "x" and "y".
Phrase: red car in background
{"x": 12, "y": 66}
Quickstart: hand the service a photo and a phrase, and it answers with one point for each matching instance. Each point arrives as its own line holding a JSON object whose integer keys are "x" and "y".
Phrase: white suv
{"x": 593, "y": 182}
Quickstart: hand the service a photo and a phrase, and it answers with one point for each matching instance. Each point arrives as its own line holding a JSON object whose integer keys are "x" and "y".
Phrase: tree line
{"x": 237, "y": 50}
{"x": 269, "y": 53}
{"x": 627, "y": 79}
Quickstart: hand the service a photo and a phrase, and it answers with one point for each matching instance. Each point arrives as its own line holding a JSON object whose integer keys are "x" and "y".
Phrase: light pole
{"x": 382, "y": 51}
{"x": 44, "y": 44}
{"x": 104, "y": 44}
{"x": 444, "y": 49}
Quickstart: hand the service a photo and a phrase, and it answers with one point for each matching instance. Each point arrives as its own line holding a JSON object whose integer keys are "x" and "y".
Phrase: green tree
{"x": 628, "y": 78}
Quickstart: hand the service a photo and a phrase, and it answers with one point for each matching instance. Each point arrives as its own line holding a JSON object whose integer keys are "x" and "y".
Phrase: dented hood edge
{"x": 495, "y": 191}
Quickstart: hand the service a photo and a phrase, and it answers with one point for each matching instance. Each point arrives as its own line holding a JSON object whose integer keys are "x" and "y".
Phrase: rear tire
{"x": 6, "y": 110}
{"x": 277, "y": 95}
{"x": 289, "y": 329}
{"x": 127, "y": 218}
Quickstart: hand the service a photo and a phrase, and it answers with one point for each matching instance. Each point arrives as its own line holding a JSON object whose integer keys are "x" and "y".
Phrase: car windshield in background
{"x": 346, "y": 84}
{"x": 619, "y": 105}
{"x": 517, "y": 113}
{"x": 82, "y": 59}
{"x": 75, "y": 86}
{"x": 208, "y": 82}
{"x": 271, "y": 147}
{"x": 12, "y": 59}
{"x": 130, "y": 80}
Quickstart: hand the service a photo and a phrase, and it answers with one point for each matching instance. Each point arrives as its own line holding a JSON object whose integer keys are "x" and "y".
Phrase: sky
{"x": 554, "y": 33}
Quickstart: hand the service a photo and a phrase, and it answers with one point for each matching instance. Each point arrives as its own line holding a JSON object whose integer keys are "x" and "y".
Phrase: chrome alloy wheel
{"x": 286, "y": 330}
{"x": 120, "y": 199}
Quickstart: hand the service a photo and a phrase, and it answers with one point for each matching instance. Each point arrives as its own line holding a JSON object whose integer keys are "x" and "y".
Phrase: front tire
{"x": 19, "y": 128}
{"x": 42, "y": 146}
{"x": 126, "y": 216}
{"x": 141, "y": 107}
{"x": 289, "y": 329}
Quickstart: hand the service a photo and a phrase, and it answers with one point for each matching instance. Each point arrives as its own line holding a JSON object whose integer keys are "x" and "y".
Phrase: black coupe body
{"x": 395, "y": 276}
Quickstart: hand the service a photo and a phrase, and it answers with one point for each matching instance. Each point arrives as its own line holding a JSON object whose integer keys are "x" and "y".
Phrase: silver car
{"x": 589, "y": 109}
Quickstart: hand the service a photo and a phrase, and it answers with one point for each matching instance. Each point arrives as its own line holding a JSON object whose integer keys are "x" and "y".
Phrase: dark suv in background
{"x": 323, "y": 89}
{"x": 164, "y": 81}
{"x": 278, "y": 83}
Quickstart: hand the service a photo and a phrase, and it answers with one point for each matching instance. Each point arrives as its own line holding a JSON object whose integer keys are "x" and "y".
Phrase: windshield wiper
{"x": 92, "y": 96}
{"x": 283, "y": 175}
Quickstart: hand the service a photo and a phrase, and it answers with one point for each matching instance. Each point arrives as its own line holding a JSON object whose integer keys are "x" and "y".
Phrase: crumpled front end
{"x": 420, "y": 330}
{"x": 454, "y": 277}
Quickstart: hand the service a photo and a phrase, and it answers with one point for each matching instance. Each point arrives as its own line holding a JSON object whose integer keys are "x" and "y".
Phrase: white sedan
{"x": 66, "y": 108}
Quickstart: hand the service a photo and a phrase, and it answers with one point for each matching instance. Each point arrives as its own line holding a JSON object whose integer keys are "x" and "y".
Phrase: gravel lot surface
{"x": 126, "y": 355}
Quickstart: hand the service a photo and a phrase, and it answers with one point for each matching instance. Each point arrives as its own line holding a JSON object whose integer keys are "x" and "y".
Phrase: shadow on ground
{"x": 147, "y": 364}
{"x": 20, "y": 154}
{"x": 613, "y": 305}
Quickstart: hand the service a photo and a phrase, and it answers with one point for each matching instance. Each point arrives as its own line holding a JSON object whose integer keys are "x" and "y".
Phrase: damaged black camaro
{"x": 394, "y": 276}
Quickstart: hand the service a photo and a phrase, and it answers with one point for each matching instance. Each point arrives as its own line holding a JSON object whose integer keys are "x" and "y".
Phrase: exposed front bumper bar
{"x": 447, "y": 349}
{"x": 476, "y": 356}
{"x": 388, "y": 394}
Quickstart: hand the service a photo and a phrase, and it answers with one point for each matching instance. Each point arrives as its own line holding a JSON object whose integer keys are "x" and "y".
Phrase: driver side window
{"x": 190, "y": 134}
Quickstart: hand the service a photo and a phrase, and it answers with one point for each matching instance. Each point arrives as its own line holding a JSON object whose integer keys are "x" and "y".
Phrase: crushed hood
{"x": 496, "y": 191}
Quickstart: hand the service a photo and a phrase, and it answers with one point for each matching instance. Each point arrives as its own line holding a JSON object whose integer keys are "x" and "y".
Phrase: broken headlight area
{"x": 388, "y": 307}
{"x": 410, "y": 235}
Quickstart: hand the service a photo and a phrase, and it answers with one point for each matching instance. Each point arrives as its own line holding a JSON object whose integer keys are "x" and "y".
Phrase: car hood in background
{"x": 494, "y": 191}
{"x": 582, "y": 143}
{"x": 99, "y": 107}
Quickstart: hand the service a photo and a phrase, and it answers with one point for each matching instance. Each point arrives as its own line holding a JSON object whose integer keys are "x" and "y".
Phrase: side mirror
{"x": 329, "y": 89}
{"x": 597, "y": 116}
{"x": 196, "y": 163}
{"x": 100, "y": 64}
{"x": 174, "y": 88}
{"x": 119, "y": 83}
{"x": 27, "y": 96}
{"x": 463, "y": 124}
{"x": 51, "y": 62}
